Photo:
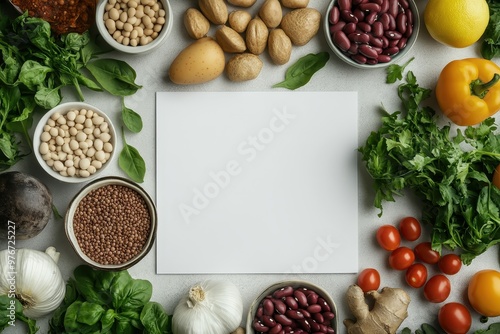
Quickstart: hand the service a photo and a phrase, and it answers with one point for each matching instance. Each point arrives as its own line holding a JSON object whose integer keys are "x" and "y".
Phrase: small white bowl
{"x": 105, "y": 181}
{"x": 294, "y": 284}
{"x": 159, "y": 40}
{"x": 63, "y": 109}
{"x": 394, "y": 59}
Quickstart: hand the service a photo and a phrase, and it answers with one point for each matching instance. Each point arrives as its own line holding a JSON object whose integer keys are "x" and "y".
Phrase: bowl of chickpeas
{"x": 74, "y": 142}
{"x": 134, "y": 26}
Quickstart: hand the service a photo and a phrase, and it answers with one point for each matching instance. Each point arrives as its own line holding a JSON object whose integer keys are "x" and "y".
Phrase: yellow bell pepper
{"x": 468, "y": 90}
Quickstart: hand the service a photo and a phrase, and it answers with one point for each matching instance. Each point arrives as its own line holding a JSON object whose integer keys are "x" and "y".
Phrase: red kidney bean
{"x": 371, "y": 17}
{"x": 268, "y": 306}
{"x": 291, "y": 303}
{"x": 378, "y": 2}
{"x": 318, "y": 317}
{"x": 341, "y": 40}
{"x": 337, "y": 26}
{"x": 367, "y": 51}
{"x": 350, "y": 28}
{"x": 401, "y": 22}
{"x": 393, "y": 35}
{"x": 358, "y": 37}
{"x": 283, "y": 292}
{"x": 315, "y": 308}
{"x": 385, "y": 42}
{"x": 404, "y": 4}
{"x": 300, "y": 297}
{"x": 327, "y": 315}
{"x": 330, "y": 330}
{"x": 305, "y": 325}
{"x": 279, "y": 306}
{"x": 402, "y": 43}
{"x": 357, "y": 2}
{"x": 324, "y": 328}
{"x": 385, "y": 19}
{"x": 392, "y": 22}
{"x": 276, "y": 329}
{"x": 370, "y": 7}
{"x": 377, "y": 29}
{"x": 268, "y": 321}
{"x": 409, "y": 16}
{"x": 358, "y": 58}
{"x": 324, "y": 305}
{"x": 360, "y": 16}
{"x": 377, "y": 49}
{"x": 364, "y": 27}
{"x": 348, "y": 16}
{"x": 353, "y": 49}
{"x": 344, "y": 4}
{"x": 283, "y": 320}
{"x": 312, "y": 298}
{"x": 260, "y": 312}
{"x": 391, "y": 51}
{"x": 393, "y": 8}
{"x": 294, "y": 314}
{"x": 393, "y": 42}
{"x": 334, "y": 16}
{"x": 305, "y": 313}
{"x": 408, "y": 32}
{"x": 384, "y": 6}
{"x": 376, "y": 42}
{"x": 259, "y": 326}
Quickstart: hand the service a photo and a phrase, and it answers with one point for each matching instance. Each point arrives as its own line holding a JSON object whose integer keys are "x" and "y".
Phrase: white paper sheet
{"x": 257, "y": 182}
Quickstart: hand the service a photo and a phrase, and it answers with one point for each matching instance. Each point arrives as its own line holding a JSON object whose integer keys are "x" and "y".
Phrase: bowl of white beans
{"x": 74, "y": 142}
{"x": 134, "y": 26}
{"x": 371, "y": 33}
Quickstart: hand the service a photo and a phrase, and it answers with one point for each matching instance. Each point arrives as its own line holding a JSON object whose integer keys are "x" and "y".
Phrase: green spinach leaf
{"x": 131, "y": 119}
{"x": 115, "y": 76}
{"x": 131, "y": 162}
{"x": 302, "y": 71}
{"x": 155, "y": 320}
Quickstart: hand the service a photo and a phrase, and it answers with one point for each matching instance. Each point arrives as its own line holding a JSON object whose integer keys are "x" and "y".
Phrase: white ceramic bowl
{"x": 63, "y": 109}
{"x": 294, "y": 284}
{"x": 159, "y": 40}
{"x": 70, "y": 213}
{"x": 394, "y": 59}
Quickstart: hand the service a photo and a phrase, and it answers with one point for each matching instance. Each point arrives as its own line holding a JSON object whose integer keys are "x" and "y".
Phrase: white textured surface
{"x": 430, "y": 58}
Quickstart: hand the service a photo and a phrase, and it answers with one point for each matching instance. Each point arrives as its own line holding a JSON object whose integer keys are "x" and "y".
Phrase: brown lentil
{"x": 112, "y": 224}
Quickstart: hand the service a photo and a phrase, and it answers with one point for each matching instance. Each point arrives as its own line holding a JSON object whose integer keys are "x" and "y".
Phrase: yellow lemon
{"x": 457, "y": 23}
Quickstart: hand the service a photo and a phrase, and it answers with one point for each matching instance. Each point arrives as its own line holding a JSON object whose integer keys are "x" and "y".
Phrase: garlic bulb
{"x": 33, "y": 278}
{"x": 210, "y": 307}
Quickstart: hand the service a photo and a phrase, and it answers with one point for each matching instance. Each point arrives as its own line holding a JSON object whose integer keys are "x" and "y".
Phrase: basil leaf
{"x": 115, "y": 76}
{"x": 84, "y": 279}
{"x": 138, "y": 293}
{"x": 70, "y": 318}
{"x": 107, "y": 320}
{"x": 131, "y": 119}
{"x": 90, "y": 313}
{"x": 131, "y": 162}
{"x": 302, "y": 71}
{"x": 155, "y": 320}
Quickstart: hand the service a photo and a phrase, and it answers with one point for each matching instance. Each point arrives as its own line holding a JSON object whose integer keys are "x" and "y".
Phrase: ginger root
{"x": 388, "y": 312}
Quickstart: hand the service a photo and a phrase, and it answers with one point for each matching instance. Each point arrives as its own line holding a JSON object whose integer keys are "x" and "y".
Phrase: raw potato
{"x": 301, "y": 25}
{"x": 295, "y": 3}
{"x": 243, "y": 67}
{"x": 256, "y": 36}
{"x": 388, "y": 312}
{"x": 271, "y": 13}
{"x": 239, "y": 19}
{"x": 229, "y": 40}
{"x": 214, "y": 10}
{"x": 201, "y": 61}
{"x": 242, "y": 3}
{"x": 196, "y": 24}
{"x": 279, "y": 46}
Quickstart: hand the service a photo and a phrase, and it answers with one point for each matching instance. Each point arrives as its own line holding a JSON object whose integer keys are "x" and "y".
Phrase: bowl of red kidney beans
{"x": 371, "y": 33}
{"x": 297, "y": 307}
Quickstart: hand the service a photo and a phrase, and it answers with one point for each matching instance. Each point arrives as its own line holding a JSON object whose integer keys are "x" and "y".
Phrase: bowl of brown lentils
{"x": 134, "y": 26}
{"x": 111, "y": 223}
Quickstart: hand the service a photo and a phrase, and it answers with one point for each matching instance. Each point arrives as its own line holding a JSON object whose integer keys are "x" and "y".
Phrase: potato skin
{"x": 243, "y": 67}
{"x": 201, "y": 61}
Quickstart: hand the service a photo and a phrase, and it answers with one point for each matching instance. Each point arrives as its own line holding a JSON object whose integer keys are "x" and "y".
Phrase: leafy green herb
{"x": 99, "y": 301}
{"x": 490, "y": 45}
{"x": 303, "y": 69}
{"x": 424, "y": 329}
{"x": 131, "y": 119}
{"x": 131, "y": 162}
{"x": 115, "y": 76}
{"x": 11, "y": 311}
{"x": 395, "y": 71}
{"x": 450, "y": 174}
{"x": 492, "y": 329}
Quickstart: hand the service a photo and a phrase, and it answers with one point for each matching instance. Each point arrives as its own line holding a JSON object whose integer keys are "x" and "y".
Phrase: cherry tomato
{"x": 454, "y": 318}
{"x": 369, "y": 279}
{"x": 416, "y": 275}
{"x": 388, "y": 237}
{"x": 484, "y": 292}
{"x": 401, "y": 258}
{"x": 437, "y": 288}
{"x": 410, "y": 229}
{"x": 425, "y": 253}
{"x": 496, "y": 177}
{"x": 450, "y": 264}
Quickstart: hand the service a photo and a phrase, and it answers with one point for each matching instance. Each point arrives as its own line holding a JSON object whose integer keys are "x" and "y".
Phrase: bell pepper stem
{"x": 480, "y": 88}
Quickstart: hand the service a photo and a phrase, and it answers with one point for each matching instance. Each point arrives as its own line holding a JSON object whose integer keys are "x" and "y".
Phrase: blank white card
{"x": 257, "y": 182}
